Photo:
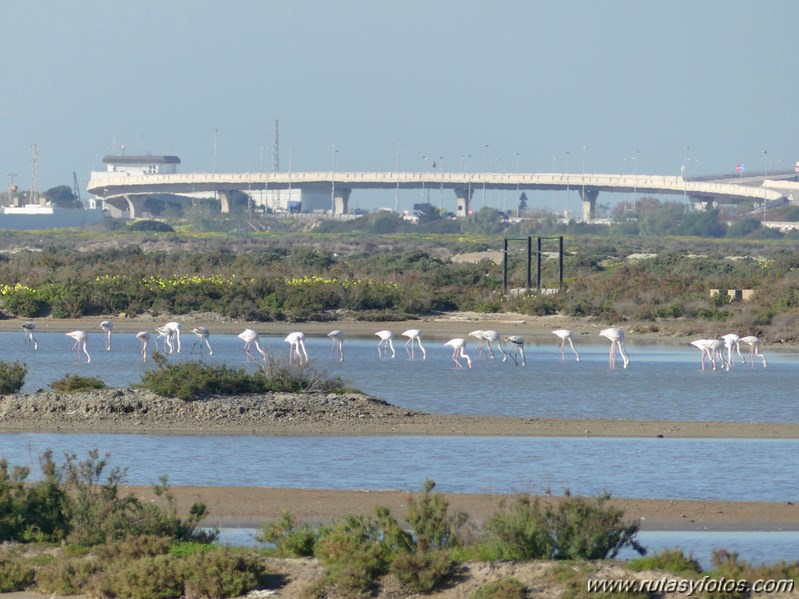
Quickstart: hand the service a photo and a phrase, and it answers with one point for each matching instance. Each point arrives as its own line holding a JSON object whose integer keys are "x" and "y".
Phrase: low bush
{"x": 195, "y": 380}
{"x": 15, "y": 575}
{"x": 570, "y": 528}
{"x": 74, "y": 383}
{"x": 12, "y": 377}
{"x": 291, "y": 539}
{"x": 668, "y": 560}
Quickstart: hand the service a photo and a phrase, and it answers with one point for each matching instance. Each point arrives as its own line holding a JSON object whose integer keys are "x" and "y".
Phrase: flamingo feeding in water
{"x": 251, "y": 338}
{"x": 338, "y": 344}
{"x": 459, "y": 351}
{"x": 566, "y": 335}
{"x": 29, "y": 327}
{"x": 616, "y": 337}
{"x": 175, "y": 328}
{"x": 488, "y": 338}
{"x": 386, "y": 341}
{"x": 81, "y": 339}
{"x": 107, "y": 327}
{"x": 517, "y": 347}
{"x": 169, "y": 338}
{"x": 296, "y": 342}
{"x": 754, "y": 349}
{"x": 414, "y": 335}
{"x": 712, "y": 348}
{"x": 732, "y": 342}
{"x": 202, "y": 337}
{"x": 144, "y": 339}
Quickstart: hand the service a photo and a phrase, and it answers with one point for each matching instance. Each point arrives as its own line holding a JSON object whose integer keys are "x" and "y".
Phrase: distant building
{"x": 140, "y": 165}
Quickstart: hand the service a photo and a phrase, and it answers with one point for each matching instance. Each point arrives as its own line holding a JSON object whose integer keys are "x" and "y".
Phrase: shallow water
{"x": 647, "y": 468}
{"x": 663, "y": 382}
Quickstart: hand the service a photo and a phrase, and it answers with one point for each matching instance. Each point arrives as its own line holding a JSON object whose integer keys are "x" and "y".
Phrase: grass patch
{"x": 73, "y": 383}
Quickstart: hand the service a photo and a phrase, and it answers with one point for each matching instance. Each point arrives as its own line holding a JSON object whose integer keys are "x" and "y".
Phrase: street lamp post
{"x": 765, "y": 176}
{"x": 396, "y": 193}
{"x": 424, "y": 169}
{"x": 333, "y": 153}
{"x": 684, "y": 173}
{"x": 635, "y": 178}
{"x": 441, "y": 184}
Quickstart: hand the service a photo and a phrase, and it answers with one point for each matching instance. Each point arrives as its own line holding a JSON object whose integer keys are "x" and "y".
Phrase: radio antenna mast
{"x": 33, "y": 196}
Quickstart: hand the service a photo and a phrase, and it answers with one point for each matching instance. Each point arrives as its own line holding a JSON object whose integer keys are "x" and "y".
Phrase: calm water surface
{"x": 663, "y": 382}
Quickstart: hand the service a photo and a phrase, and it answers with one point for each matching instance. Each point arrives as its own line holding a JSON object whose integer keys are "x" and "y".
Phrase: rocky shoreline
{"x": 135, "y": 410}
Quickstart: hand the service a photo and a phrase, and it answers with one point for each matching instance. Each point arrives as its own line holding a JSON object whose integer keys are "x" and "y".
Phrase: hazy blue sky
{"x": 401, "y": 79}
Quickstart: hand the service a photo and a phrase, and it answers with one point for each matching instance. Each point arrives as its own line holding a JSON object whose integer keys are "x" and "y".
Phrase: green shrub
{"x": 12, "y": 377}
{"x": 518, "y": 532}
{"x": 421, "y": 572}
{"x": 433, "y": 526}
{"x": 507, "y": 588}
{"x": 583, "y": 528}
{"x": 222, "y": 574}
{"x": 354, "y": 554}
{"x": 73, "y": 383}
{"x": 194, "y": 380}
{"x": 67, "y": 576}
{"x": 668, "y": 560}
{"x": 158, "y": 577}
{"x": 15, "y": 575}
{"x": 572, "y": 528}
{"x": 291, "y": 539}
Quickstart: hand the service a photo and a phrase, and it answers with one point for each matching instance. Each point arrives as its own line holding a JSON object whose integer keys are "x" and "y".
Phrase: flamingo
{"x": 202, "y": 337}
{"x": 297, "y": 343}
{"x": 107, "y": 326}
{"x": 732, "y": 342}
{"x": 754, "y": 348}
{"x": 251, "y": 338}
{"x": 80, "y": 338}
{"x": 480, "y": 341}
{"x": 711, "y": 348}
{"x": 517, "y": 346}
{"x": 414, "y": 334}
{"x": 566, "y": 335}
{"x": 175, "y": 328}
{"x": 144, "y": 338}
{"x": 459, "y": 351}
{"x": 28, "y": 327}
{"x": 386, "y": 341}
{"x": 616, "y": 337}
{"x": 169, "y": 338}
{"x": 338, "y": 344}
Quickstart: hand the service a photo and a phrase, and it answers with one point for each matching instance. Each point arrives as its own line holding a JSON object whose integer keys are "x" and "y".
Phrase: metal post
{"x": 505, "y": 270}
{"x": 529, "y": 263}
{"x": 538, "y": 267}
{"x": 560, "y": 262}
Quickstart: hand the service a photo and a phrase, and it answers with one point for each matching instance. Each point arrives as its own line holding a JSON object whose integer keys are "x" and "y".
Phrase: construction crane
{"x": 76, "y": 188}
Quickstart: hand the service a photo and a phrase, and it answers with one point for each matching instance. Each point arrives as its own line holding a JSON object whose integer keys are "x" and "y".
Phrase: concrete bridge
{"x": 130, "y": 191}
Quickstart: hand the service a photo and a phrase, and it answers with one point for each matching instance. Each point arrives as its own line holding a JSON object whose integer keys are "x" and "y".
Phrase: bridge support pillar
{"x": 224, "y": 202}
{"x": 464, "y": 196}
{"x": 341, "y": 199}
{"x": 589, "y": 196}
{"x": 135, "y": 205}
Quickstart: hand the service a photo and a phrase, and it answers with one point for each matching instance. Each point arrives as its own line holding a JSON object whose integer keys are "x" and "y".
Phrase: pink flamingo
{"x": 386, "y": 341}
{"x": 107, "y": 327}
{"x": 566, "y": 335}
{"x": 459, "y": 351}
{"x": 144, "y": 339}
{"x": 414, "y": 335}
{"x": 712, "y": 348}
{"x": 517, "y": 347}
{"x": 202, "y": 337}
{"x": 29, "y": 327}
{"x": 616, "y": 337}
{"x": 754, "y": 349}
{"x": 297, "y": 343}
{"x": 338, "y": 344}
{"x": 251, "y": 338}
{"x": 80, "y": 338}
